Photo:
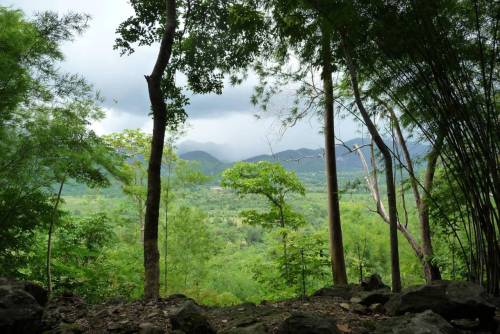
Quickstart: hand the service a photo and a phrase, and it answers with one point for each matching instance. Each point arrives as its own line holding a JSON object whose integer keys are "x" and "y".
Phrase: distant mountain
{"x": 200, "y": 156}
{"x": 209, "y": 164}
{"x": 219, "y": 151}
{"x": 308, "y": 160}
{"x": 302, "y": 160}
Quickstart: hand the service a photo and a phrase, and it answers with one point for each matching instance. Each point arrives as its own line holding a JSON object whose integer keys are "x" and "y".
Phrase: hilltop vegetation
{"x": 233, "y": 262}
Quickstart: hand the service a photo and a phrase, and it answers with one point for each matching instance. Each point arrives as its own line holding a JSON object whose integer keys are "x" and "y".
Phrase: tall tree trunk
{"x": 431, "y": 271}
{"x": 49, "y": 240}
{"x": 156, "y": 96}
{"x": 284, "y": 240}
{"x": 167, "y": 193}
{"x": 391, "y": 188}
{"x": 140, "y": 208}
{"x": 334, "y": 224}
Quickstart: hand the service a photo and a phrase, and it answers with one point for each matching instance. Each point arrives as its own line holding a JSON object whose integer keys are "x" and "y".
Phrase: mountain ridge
{"x": 302, "y": 160}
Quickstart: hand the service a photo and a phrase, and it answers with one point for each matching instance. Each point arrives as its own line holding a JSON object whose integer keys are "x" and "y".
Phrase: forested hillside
{"x": 107, "y": 227}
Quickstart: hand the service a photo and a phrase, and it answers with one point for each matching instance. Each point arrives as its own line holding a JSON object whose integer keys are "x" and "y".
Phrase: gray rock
{"x": 148, "y": 328}
{"x": 359, "y": 309}
{"x": 243, "y": 322}
{"x": 377, "y": 308}
{"x": 355, "y": 299}
{"x": 64, "y": 328}
{"x": 255, "y": 328}
{"x": 121, "y": 327}
{"x": 37, "y": 291}
{"x": 191, "y": 319}
{"x": 373, "y": 282}
{"x": 345, "y": 306}
{"x": 176, "y": 296}
{"x": 450, "y": 299}
{"x": 468, "y": 324}
{"x": 246, "y": 306}
{"x": 343, "y": 291}
{"x": 116, "y": 300}
{"x": 426, "y": 322}
{"x": 354, "y": 307}
{"x": 380, "y": 296}
{"x": 66, "y": 308}
{"x": 302, "y": 323}
{"x": 19, "y": 311}
{"x": 495, "y": 300}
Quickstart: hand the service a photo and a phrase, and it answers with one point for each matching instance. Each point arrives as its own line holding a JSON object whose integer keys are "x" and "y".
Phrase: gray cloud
{"x": 222, "y": 118}
{"x": 233, "y": 99}
{"x": 121, "y": 79}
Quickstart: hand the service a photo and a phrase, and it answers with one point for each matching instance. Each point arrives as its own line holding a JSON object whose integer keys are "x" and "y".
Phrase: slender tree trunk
{"x": 371, "y": 180}
{"x": 431, "y": 271}
{"x": 334, "y": 224}
{"x": 49, "y": 240}
{"x": 156, "y": 96}
{"x": 165, "y": 259}
{"x": 165, "y": 274}
{"x": 284, "y": 240}
{"x": 391, "y": 188}
{"x": 285, "y": 254}
{"x": 151, "y": 253}
{"x": 140, "y": 208}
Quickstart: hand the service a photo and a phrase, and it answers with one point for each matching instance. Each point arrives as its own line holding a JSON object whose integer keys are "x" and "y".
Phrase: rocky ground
{"x": 443, "y": 307}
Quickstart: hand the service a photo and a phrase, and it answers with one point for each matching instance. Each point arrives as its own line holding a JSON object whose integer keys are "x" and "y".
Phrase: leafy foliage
{"x": 44, "y": 135}
{"x": 79, "y": 256}
{"x": 273, "y": 182}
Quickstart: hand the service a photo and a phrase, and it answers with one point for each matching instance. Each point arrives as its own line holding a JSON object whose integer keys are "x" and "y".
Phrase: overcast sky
{"x": 225, "y": 119}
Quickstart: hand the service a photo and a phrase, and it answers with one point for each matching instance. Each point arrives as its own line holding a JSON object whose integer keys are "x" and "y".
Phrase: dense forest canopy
{"x": 126, "y": 215}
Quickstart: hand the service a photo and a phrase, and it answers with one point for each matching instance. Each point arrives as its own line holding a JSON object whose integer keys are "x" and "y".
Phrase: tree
{"x": 44, "y": 129}
{"x": 275, "y": 184}
{"x": 308, "y": 261}
{"x": 194, "y": 243}
{"x": 79, "y": 257}
{"x": 209, "y": 44}
{"x": 296, "y": 32}
{"x": 134, "y": 145}
{"x": 425, "y": 68}
{"x": 77, "y": 154}
{"x": 159, "y": 107}
{"x": 336, "y": 243}
{"x": 427, "y": 74}
{"x": 181, "y": 175}
{"x": 30, "y": 52}
{"x": 380, "y": 107}
{"x": 431, "y": 271}
{"x": 389, "y": 177}
{"x": 348, "y": 29}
